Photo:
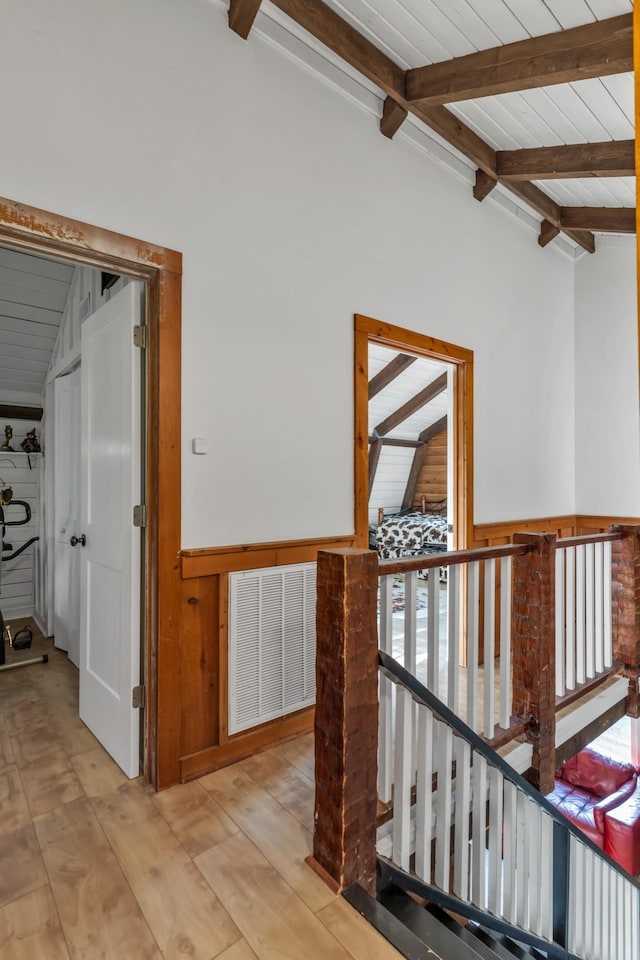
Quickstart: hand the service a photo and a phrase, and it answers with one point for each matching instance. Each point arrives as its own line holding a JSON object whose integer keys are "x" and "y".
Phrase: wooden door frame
{"x": 36, "y": 231}
{"x": 367, "y": 329}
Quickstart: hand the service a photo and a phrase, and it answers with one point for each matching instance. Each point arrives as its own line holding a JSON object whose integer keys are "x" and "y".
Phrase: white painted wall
{"x": 607, "y": 420}
{"x": 292, "y": 213}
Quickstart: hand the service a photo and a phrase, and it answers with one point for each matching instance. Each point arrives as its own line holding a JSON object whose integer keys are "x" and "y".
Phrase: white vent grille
{"x": 272, "y": 643}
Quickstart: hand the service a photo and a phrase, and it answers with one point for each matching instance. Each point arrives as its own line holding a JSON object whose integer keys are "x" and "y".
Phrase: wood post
{"x": 346, "y": 723}
{"x": 534, "y": 650}
{"x": 625, "y": 602}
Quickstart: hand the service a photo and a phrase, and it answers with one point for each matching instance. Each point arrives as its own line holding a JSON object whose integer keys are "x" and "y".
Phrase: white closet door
{"x": 67, "y": 513}
{"x": 110, "y": 557}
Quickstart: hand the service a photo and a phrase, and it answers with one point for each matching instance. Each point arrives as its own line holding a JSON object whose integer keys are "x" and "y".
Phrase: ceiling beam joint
{"x": 242, "y": 13}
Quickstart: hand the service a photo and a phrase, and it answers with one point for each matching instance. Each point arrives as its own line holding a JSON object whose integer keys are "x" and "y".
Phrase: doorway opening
{"x": 435, "y": 402}
{"x": 50, "y": 236}
{"x": 67, "y": 339}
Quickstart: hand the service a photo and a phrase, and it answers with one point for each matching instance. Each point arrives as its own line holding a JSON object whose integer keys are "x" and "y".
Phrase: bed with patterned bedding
{"x": 410, "y": 534}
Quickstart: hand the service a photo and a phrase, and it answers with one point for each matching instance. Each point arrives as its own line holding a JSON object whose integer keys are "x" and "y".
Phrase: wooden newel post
{"x": 346, "y": 721}
{"x": 625, "y": 612}
{"x": 534, "y": 651}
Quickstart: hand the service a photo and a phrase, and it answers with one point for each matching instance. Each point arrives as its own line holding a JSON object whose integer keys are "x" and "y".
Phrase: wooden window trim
{"x": 366, "y": 329}
{"x": 47, "y": 234}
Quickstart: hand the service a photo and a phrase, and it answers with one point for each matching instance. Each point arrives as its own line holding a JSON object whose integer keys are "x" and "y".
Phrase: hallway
{"x": 96, "y": 866}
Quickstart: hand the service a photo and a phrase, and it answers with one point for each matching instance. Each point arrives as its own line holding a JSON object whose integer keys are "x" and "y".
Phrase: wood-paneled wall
{"x": 569, "y": 525}
{"x": 432, "y": 482}
{"x": 205, "y": 743}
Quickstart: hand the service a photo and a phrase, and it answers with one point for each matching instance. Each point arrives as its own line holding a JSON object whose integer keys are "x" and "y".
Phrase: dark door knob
{"x": 74, "y": 541}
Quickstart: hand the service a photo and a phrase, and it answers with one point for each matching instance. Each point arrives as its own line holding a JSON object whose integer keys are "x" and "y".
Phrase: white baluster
{"x": 463, "y": 809}
{"x": 546, "y": 876}
{"x": 453, "y": 631}
{"x": 410, "y": 647}
{"x": 403, "y": 771}
{"x": 576, "y": 905}
{"x": 479, "y": 826}
{"x": 385, "y": 711}
{"x": 489, "y": 645}
{"x": 580, "y": 615}
{"x": 473, "y": 614}
{"x": 506, "y": 684}
{"x": 494, "y": 899}
{"x": 607, "y": 610}
{"x": 509, "y": 852}
{"x": 424, "y": 789}
{"x": 592, "y": 666}
{"x": 386, "y": 615}
{"x": 433, "y": 632}
{"x": 570, "y": 627}
{"x": 522, "y": 872}
{"x": 410, "y": 620}
{"x": 534, "y": 846}
{"x": 560, "y": 640}
{"x": 598, "y": 908}
{"x": 443, "y": 807}
{"x": 598, "y": 612}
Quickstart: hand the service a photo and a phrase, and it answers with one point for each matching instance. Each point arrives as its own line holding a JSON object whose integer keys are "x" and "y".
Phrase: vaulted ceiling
{"x": 537, "y": 94}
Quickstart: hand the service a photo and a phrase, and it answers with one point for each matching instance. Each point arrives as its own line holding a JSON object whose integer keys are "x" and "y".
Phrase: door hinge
{"x": 138, "y": 697}
{"x": 139, "y": 336}
{"x": 140, "y": 515}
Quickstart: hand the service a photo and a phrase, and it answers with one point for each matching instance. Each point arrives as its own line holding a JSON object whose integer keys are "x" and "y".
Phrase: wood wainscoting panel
{"x": 570, "y": 525}
{"x": 206, "y": 561}
{"x": 205, "y": 743}
{"x": 245, "y": 744}
{"x": 199, "y": 664}
{"x": 494, "y": 534}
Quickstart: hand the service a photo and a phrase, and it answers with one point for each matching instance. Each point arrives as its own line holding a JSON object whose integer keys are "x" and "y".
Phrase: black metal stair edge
{"x": 390, "y": 875}
{"x": 436, "y": 938}
{"x": 489, "y": 947}
{"x": 392, "y": 929}
{"x": 504, "y": 947}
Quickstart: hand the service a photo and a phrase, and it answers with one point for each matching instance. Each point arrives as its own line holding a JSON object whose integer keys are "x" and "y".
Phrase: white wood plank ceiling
{"x": 375, "y": 43}
{"x": 418, "y": 32}
{"x": 33, "y": 293}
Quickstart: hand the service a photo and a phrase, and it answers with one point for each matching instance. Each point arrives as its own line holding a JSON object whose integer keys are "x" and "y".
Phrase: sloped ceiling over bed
{"x": 408, "y": 409}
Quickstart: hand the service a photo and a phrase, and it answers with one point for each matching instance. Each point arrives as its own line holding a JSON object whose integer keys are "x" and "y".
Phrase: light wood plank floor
{"x": 96, "y": 866}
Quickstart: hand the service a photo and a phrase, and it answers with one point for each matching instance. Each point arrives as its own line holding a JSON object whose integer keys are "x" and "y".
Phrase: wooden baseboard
{"x": 245, "y": 744}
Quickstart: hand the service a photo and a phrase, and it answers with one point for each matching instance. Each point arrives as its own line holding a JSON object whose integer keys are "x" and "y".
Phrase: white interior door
{"x": 66, "y": 622}
{"x": 110, "y": 557}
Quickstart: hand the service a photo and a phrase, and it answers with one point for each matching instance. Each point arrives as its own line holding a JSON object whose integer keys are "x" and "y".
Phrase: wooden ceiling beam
{"x": 417, "y": 464}
{"x": 344, "y": 40}
{"x": 597, "y": 49}
{"x": 394, "y": 441}
{"x": 612, "y": 158}
{"x": 547, "y": 233}
{"x": 393, "y": 116}
{"x": 436, "y": 428}
{"x": 242, "y": 13}
{"x": 374, "y": 457}
{"x": 389, "y": 373}
{"x": 412, "y": 406}
{"x": 484, "y": 185}
{"x": 602, "y": 219}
